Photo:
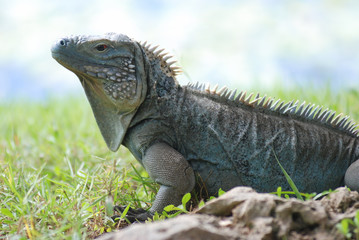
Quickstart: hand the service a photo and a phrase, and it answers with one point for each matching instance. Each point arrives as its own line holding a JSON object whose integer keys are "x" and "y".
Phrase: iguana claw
{"x": 133, "y": 215}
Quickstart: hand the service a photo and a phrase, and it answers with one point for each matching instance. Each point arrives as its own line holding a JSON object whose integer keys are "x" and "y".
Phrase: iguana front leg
{"x": 171, "y": 170}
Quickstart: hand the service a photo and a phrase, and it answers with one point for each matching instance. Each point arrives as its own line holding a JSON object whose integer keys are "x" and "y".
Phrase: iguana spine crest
{"x": 166, "y": 66}
{"x": 327, "y": 117}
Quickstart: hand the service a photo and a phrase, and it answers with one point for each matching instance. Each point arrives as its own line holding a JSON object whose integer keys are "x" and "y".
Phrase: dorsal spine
{"x": 303, "y": 111}
{"x": 167, "y": 67}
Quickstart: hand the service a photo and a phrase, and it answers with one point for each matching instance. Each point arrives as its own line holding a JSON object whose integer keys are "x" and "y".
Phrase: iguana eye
{"x": 101, "y": 47}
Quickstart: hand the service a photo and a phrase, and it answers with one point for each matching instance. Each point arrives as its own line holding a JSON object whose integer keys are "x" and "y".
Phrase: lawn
{"x": 57, "y": 175}
{"x": 57, "y": 172}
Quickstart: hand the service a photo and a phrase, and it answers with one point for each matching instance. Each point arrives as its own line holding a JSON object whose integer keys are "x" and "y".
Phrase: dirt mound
{"x": 243, "y": 213}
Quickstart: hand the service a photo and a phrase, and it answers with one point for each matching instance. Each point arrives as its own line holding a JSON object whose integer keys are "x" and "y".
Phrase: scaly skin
{"x": 227, "y": 139}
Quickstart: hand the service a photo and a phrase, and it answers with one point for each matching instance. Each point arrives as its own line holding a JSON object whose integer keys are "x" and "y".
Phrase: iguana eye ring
{"x": 101, "y": 47}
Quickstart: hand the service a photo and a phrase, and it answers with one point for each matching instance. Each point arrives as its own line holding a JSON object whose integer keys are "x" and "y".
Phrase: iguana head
{"x": 113, "y": 71}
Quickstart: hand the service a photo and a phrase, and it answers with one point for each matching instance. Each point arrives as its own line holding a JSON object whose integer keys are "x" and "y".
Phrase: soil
{"x": 242, "y": 213}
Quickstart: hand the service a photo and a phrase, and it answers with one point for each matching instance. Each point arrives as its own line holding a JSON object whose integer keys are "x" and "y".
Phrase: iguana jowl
{"x": 228, "y": 139}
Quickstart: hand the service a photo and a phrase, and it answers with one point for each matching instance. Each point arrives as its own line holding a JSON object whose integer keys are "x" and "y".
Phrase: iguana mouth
{"x": 115, "y": 74}
{"x": 118, "y": 82}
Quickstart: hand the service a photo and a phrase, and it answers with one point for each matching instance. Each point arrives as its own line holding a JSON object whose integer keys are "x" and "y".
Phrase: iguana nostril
{"x": 59, "y": 46}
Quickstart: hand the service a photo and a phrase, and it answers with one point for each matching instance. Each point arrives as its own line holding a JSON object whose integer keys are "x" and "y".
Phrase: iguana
{"x": 223, "y": 137}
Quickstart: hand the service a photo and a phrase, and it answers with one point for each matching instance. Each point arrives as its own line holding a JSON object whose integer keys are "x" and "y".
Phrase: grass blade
{"x": 289, "y": 179}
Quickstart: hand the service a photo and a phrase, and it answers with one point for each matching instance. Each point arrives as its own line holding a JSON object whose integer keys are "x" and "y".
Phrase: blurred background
{"x": 245, "y": 44}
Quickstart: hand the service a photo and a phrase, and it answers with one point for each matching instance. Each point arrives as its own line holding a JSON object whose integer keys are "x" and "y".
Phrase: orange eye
{"x": 101, "y": 47}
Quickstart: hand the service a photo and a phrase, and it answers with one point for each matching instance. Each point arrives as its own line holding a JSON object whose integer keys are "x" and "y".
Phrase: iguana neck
{"x": 161, "y": 74}
{"x": 161, "y": 85}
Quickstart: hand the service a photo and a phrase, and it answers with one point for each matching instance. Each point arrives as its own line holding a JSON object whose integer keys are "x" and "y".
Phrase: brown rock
{"x": 341, "y": 200}
{"x": 242, "y": 213}
{"x": 223, "y": 205}
{"x": 194, "y": 227}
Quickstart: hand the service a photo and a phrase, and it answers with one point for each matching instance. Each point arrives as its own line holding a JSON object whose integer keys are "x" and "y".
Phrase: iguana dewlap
{"x": 227, "y": 139}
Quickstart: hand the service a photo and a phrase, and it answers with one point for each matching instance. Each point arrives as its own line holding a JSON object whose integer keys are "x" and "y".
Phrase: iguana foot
{"x": 133, "y": 215}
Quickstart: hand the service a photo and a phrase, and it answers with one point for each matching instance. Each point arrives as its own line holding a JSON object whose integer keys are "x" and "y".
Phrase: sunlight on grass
{"x": 57, "y": 172}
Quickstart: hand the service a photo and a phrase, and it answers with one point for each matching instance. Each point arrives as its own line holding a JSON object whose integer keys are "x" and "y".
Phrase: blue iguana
{"x": 226, "y": 138}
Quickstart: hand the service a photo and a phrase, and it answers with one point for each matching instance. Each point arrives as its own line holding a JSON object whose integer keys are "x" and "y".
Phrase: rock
{"x": 223, "y": 205}
{"x": 341, "y": 200}
{"x": 295, "y": 215}
{"x": 242, "y": 213}
{"x": 261, "y": 228}
{"x": 194, "y": 227}
{"x": 341, "y": 204}
{"x": 254, "y": 206}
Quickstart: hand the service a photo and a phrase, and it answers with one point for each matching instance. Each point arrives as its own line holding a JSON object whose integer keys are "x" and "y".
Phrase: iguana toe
{"x": 133, "y": 215}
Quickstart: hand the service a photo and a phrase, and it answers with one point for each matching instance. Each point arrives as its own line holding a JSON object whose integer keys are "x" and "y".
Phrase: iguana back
{"x": 233, "y": 142}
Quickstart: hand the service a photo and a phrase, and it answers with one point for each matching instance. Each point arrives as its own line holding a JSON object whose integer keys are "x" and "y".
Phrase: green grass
{"x": 56, "y": 172}
{"x": 57, "y": 175}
